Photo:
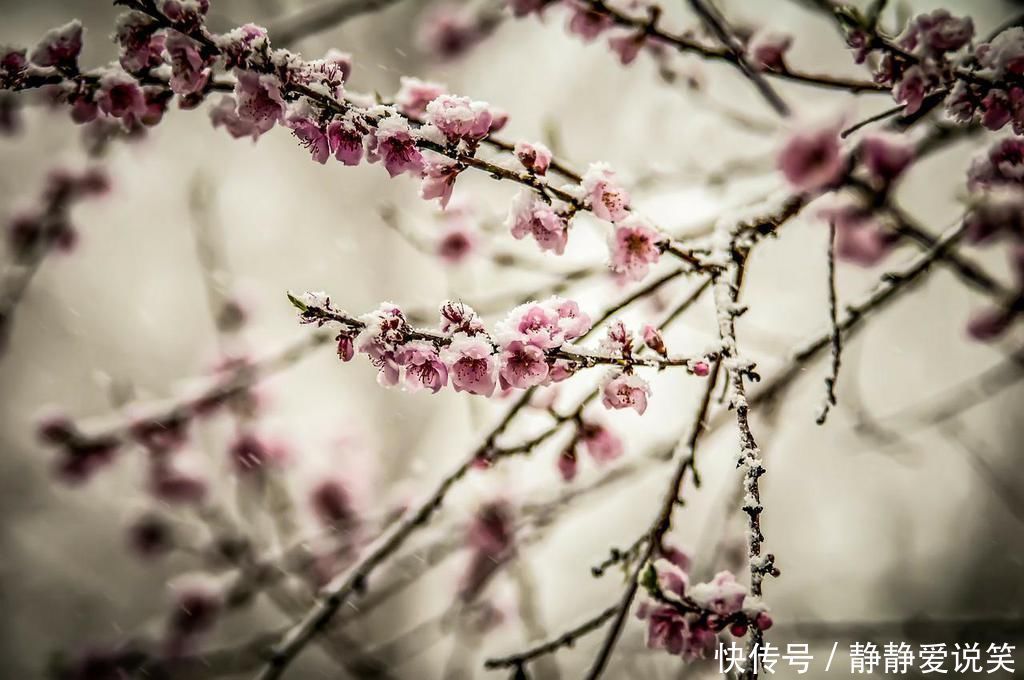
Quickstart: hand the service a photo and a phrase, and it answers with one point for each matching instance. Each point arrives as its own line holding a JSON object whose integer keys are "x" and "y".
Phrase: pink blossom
{"x": 545, "y": 325}
{"x": 456, "y": 244}
{"x": 189, "y": 12}
{"x": 414, "y": 95}
{"x": 859, "y": 237}
{"x": 1001, "y": 165}
{"x": 635, "y": 246}
{"x": 910, "y": 90}
{"x": 386, "y": 329}
{"x": 768, "y": 49}
{"x": 459, "y": 118}
{"x": 627, "y": 46}
{"x": 141, "y": 44}
{"x": 259, "y": 100}
{"x": 439, "y": 180}
{"x": 342, "y": 60}
{"x": 535, "y": 157}
{"x": 250, "y": 452}
{"x": 604, "y": 196}
{"x": 84, "y": 109}
{"x": 457, "y": 317}
{"x": 722, "y": 595}
{"x": 1003, "y": 56}
{"x": 120, "y": 95}
{"x": 332, "y": 505}
{"x": 677, "y": 556}
{"x": 346, "y": 141}
{"x": 189, "y": 72}
{"x": 60, "y": 46}
{"x": 423, "y": 367}
{"x": 448, "y": 31}
{"x": 938, "y": 32}
{"x": 568, "y": 464}
{"x": 996, "y": 109}
{"x": 587, "y": 23}
{"x": 999, "y": 211}
{"x": 472, "y": 363}
{"x": 625, "y": 390}
{"x": 522, "y": 365}
{"x": 393, "y": 143}
{"x": 812, "y": 159}
{"x": 619, "y": 340}
{"x": 700, "y": 368}
{"x": 571, "y": 320}
{"x": 12, "y": 65}
{"x": 312, "y": 136}
{"x": 885, "y": 156}
{"x": 240, "y": 46}
{"x": 225, "y": 114}
{"x": 531, "y": 216}
{"x": 346, "y": 347}
{"x": 601, "y": 443}
{"x": 654, "y": 340}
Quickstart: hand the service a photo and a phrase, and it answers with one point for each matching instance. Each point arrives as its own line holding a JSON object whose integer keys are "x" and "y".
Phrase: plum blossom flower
{"x": 722, "y": 595}
{"x": 1001, "y": 165}
{"x": 60, "y": 46}
{"x": 311, "y": 135}
{"x": 393, "y": 144}
{"x": 545, "y": 325}
{"x": 604, "y": 196}
{"x": 625, "y": 390}
{"x": 568, "y": 463}
{"x": 535, "y": 157}
{"x": 346, "y": 141}
{"x": 531, "y": 216}
{"x": 422, "y": 366}
{"x": 601, "y": 443}
{"x": 911, "y": 89}
{"x": 448, "y": 31}
{"x": 259, "y": 100}
{"x": 457, "y": 317}
{"x": 936, "y": 33}
{"x": 459, "y": 118}
{"x": 627, "y": 46}
{"x": 141, "y": 44}
{"x": 587, "y": 23}
{"x": 385, "y": 330}
{"x": 472, "y": 363}
{"x": 619, "y": 340}
{"x": 189, "y": 72}
{"x": 812, "y": 159}
{"x": 186, "y": 12}
{"x": 860, "y": 238}
{"x": 414, "y": 95}
{"x": 885, "y": 156}
{"x": 653, "y": 339}
{"x": 635, "y": 246}
{"x": 332, "y": 505}
{"x": 996, "y": 212}
{"x": 456, "y": 244}
{"x": 768, "y": 49}
{"x": 241, "y": 46}
{"x": 120, "y": 95}
{"x": 225, "y": 114}
{"x": 439, "y": 180}
{"x": 522, "y": 365}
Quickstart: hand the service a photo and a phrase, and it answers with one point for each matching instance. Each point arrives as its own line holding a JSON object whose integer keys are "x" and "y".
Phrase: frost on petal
{"x": 459, "y": 118}
{"x": 535, "y": 157}
{"x": 259, "y": 100}
{"x": 394, "y": 146}
{"x": 625, "y": 390}
{"x": 422, "y": 366}
{"x": 603, "y": 194}
{"x": 531, "y": 216}
{"x": 414, "y": 95}
{"x": 635, "y": 246}
{"x": 189, "y": 72}
{"x": 60, "y": 46}
{"x": 119, "y": 95}
{"x": 439, "y": 181}
{"x": 346, "y": 141}
{"x": 472, "y": 365}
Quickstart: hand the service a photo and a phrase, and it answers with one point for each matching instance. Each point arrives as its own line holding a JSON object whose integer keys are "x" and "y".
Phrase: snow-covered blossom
{"x": 459, "y": 118}
{"x": 189, "y": 72}
{"x": 618, "y": 340}
{"x": 911, "y": 89}
{"x": 244, "y": 46}
{"x": 12, "y": 65}
{"x": 523, "y": 365}
{"x": 604, "y": 196}
{"x": 529, "y": 215}
{"x": 393, "y": 144}
{"x": 535, "y": 157}
{"x": 259, "y": 100}
{"x": 996, "y": 212}
{"x": 142, "y": 45}
{"x": 385, "y": 330}
{"x": 885, "y": 156}
{"x": 59, "y": 47}
{"x": 184, "y": 12}
{"x": 346, "y": 141}
{"x": 625, "y": 390}
{"x": 601, "y": 443}
{"x": 546, "y": 325}
{"x": 767, "y": 49}
{"x": 457, "y": 317}
{"x": 723, "y": 594}
{"x": 311, "y": 135}
{"x": 472, "y": 363}
{"x": 635, "y": 246}
{"x": 119, "y": 95}
{"x": 812, "y": 159}
{"x": 421, "y": 366}
{"x": 439, "y": 180}
{"x": 1001, "y": 165}
{"x": 414, "y": 95}
{"x": 935, "y": 33}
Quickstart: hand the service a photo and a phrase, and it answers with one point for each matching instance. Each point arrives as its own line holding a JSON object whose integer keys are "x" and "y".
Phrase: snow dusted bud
{"x": 120, "y": 95}
{"x": 393, "y": 144}
{"x": 568, "y": 463}
{"x": 763, "y": 621}
{"x": 535, "y": 157}
{"x": 812, "y": 159}
{"x": 603, "y": 194}
{"x": 459, "y": 118}
{"x": 885, "y": 156}
{"x": 472, "y": 364}
{"x": 1001, "y": 165}
{"x": 767, "y": 49}
{"x": 414, "y": 95}
{"x": 700, "y": 369}
{"x": 531, "y": 216}
{"x": 654, "y": 340}
{"x": 625, "y": 390}
{"x": 439, "y": 181}
{"x": 619, "y": 340}
{"x": 635, "y": 245}
{"x": 60, "y": 47}
{"x": 457, "y": 317}
{"x": 259, "y": 101}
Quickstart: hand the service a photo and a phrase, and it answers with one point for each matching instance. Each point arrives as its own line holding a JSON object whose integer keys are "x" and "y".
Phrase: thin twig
{"x": 837, "y": 336}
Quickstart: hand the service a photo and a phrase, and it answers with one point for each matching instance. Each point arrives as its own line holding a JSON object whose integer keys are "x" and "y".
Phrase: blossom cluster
{"x": 685, "y": 619}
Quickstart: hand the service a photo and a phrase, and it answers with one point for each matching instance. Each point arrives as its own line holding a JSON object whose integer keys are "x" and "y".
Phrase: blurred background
{"x": 886, "y": 527}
